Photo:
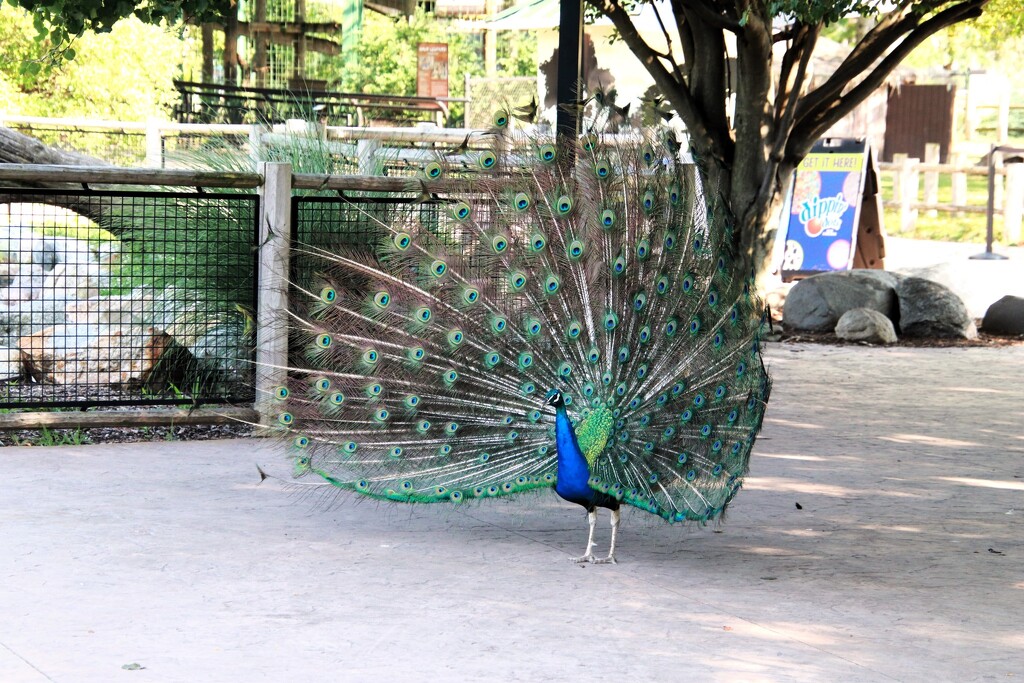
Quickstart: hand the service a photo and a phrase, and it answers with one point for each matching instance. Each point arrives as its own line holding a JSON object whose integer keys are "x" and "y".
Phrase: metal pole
{"x": 988, "y": 254}
{"x": 570, "y": 62}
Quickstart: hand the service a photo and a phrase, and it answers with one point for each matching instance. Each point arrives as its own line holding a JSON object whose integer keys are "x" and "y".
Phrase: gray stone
{"x": 929, "y": 309}
{"x": 10, "y": 363}
{"x": 816, "y": 303}
{"x": 120, "y": 356}
{"x": 1005, "y": 316}
{"x": 867, "y": 325}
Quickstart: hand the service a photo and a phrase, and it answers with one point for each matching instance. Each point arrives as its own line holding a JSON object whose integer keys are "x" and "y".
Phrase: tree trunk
{"x": 16, "y": 148}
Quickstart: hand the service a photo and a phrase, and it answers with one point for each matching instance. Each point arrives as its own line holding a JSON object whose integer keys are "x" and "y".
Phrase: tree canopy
{"x": 62, "y": 21}
{"x": 743, "y": 89}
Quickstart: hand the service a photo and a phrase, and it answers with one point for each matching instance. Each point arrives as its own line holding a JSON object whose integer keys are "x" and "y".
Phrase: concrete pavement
{"x": 879, "y": 537}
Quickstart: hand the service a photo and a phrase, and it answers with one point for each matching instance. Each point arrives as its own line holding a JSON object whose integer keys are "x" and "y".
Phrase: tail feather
{"x": 611, "y": 279}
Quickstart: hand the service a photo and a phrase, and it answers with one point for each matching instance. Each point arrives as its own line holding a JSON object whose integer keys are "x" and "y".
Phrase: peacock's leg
{"x": 588, "y": 556}
{"x": 611, "y": 549}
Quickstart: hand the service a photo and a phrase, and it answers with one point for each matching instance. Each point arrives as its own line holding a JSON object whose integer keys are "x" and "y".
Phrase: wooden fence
{"x": 915, "y": 188}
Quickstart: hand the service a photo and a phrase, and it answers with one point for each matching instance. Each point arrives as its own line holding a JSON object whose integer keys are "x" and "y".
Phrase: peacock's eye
{"x": 432, "y": 170}
{"x": 487, "y": 160}
{"x": 522, "y": 201}
{"x": 546, "y": 153}
{"x": 563, "y": 205}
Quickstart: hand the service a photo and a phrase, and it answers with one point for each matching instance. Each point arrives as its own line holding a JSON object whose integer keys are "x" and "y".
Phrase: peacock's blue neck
{"x": 573, "y": 472}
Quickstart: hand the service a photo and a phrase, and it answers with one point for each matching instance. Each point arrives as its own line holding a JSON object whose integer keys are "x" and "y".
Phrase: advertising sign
{"x": 821, "y": 222}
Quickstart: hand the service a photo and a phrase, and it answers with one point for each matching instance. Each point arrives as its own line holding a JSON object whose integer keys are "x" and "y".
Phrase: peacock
{"x": 569, "y": 317}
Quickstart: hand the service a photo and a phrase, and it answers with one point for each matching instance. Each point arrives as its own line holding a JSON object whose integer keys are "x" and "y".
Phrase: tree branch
{"x": 713, "y": 15}
{"x": 677, "y": 91}
{"x": 815, "y": 121}
{"x": 867, "y": 51}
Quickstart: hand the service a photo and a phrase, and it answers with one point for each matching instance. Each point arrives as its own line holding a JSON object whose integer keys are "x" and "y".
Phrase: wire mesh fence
{"x": 117, "y": 147}
{"x": 126, "y": 298}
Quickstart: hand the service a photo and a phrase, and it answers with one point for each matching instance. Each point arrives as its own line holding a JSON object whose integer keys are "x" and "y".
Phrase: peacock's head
{"x": 554, "y": 398}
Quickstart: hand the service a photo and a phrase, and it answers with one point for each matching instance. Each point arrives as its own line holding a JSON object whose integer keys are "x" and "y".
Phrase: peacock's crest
{"x": 608, "y": 277}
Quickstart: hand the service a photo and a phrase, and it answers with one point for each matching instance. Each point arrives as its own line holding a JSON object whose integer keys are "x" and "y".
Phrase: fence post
{"x": 959, "y": 180}
{"x": 271, "y": 324}
{"x": 255, "y": 136}
{"x": 366, "y": 152}
{"x": 931, "y": 177}
{"x": 1000, "y": 180}
{"x": 899, "y": 160}
{"x": 908, "y": 180}
{"x": 1014, "y": 206}
{"x": 154, "y": 144}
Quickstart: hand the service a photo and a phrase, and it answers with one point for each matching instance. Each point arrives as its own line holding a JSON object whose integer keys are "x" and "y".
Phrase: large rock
{"x": 864, "y": 324}
{"x": 10, "y": 363}
{"x": 928, "y": 309}
{"x": 817, "y": 303}
{"x": 119, "y": 356}
{"x": 1005, "y": 316}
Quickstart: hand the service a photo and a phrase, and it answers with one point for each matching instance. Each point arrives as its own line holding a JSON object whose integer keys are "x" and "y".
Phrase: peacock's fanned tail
{"x": 424, "y": 365}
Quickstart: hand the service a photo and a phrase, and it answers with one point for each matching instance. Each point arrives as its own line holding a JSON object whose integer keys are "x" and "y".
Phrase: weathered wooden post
{"x": 907, "y": 181}
{"x": 959, "y": 186}
{"x": 931, "y": 176}
{"x": 1013, "y": 206}
{"x": 366, "y": 152}
{"x": 272, "y": 279}
{"x": 154, "y": 144}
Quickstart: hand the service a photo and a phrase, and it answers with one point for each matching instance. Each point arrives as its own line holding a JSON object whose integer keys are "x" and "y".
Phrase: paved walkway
{"x": 879, "y": 538}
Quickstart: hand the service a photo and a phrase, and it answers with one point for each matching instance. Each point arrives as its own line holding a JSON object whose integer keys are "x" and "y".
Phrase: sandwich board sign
{"x": 822, "y": 218}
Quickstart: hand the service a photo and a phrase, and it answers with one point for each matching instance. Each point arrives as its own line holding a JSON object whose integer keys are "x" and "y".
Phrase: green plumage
{"x": 610, "y": 279}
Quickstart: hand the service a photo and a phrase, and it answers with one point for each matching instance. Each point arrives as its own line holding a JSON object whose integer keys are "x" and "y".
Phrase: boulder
{"x": 1005, "y": 316}
{"x": 10, "y": 363}
{"x": 815, "y": 304}
{"x": 119, "y": 356}
{"x": 929, "y": 309}
{"x": 867, "y": 325}
{"x": 21, "y": 318}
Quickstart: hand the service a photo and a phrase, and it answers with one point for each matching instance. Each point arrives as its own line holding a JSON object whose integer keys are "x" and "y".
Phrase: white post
{"x": 154, "y": 144}
{"x": 255, "y": 137}
{"x": 931, "y": 177}
{"x": 899, "y": 160}
{"x": 909, "y": 178}
{"x": 959, "y": 180}
{"x": 272, "y": 276}
{"x": 1014, "y": 205}
{"x": 366, "y": 152}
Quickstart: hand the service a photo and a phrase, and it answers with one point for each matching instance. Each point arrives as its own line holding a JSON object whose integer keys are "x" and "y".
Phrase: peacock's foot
{"x": 605, "y": 560}
{"x": 589, "y": 557}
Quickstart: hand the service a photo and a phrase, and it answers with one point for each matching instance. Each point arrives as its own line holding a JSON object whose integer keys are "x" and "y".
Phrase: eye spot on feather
{"x": 328, "y": 295}
{"x": 402, "y": 241}
{"x": 487, "y": 160}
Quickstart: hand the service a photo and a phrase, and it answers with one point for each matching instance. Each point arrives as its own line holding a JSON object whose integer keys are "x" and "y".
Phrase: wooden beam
{"x": 127, "y": 418}
{"x": 113, "y": 175}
